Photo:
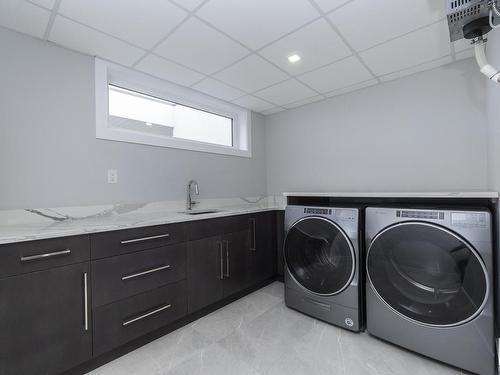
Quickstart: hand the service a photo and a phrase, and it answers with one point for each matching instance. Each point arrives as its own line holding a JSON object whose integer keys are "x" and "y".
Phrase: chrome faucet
{"x": 189, "y": 200}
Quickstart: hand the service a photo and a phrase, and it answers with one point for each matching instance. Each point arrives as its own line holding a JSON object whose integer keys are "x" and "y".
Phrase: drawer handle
{"x": 143, "y": 273}
{"x": 221, "y": 276}
{"x": 86, "y": 301}
{"x": 143, "y": 316}
{"x": 145, "y": 239}
{"x": 226, "y": 242}
{"x": 46, "y": 255}
{"x": 253, "y": 247}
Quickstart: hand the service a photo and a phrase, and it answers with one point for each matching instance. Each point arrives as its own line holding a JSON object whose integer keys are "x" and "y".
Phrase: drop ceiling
{"x": 238, "y": 50}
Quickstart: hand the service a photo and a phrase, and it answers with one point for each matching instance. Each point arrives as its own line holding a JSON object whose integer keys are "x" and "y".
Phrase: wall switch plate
{"x": 112, "y": 176}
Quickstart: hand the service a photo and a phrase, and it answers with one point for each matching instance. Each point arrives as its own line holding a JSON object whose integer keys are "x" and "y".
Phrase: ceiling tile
{"x": 317, "y": 44}
{"x": 143, "y": 23}
{"x": 257, "y": 22}
{"x": 366, "y": 23}
{"x": 300, "y": 103}
{"x": 415, "y": 48}
{"x": 83, "y": 39}
{"x": 253, "y": 103}
{"x": 355, "y": 87}
{"x": 462, "y": 45}
{"x": 272, "y": 111}
{"x": 338, "y": 75}
{"x": 200, "y": 47}
{"x": 286, "y": 92}
{"x": 188, "y": 4}
{"x": 218, "y": 89}
{"x": 23, "y": 17}
{"x": 417, "y": 69}
{"x": 328, "y": 5}
{"x": 167, "y": 70}
{"x": 49, "y": 4}
{"x": 467, "y": 54}
{"x": 251, "y": 74}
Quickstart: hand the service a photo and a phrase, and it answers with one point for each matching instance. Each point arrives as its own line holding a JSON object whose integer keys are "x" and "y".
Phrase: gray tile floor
{"x": 259, "y": 335}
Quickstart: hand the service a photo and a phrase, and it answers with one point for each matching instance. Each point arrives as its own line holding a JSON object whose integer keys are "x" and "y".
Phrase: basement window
{"x": 136, "y": 108}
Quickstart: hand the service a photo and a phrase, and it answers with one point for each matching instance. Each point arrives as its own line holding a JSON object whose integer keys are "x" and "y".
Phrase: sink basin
{"x": 200, "y": 212}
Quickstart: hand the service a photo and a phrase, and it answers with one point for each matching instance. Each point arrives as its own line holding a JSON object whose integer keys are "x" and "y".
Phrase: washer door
{"x": 427, "y": 274}
{"x": 319, "y": 255}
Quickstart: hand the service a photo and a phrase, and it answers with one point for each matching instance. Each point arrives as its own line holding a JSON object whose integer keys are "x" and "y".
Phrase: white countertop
{"x": 36, "y": 224}
{"x": 476, "y": 194}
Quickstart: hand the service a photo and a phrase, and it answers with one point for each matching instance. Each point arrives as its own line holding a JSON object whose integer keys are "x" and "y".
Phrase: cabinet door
{"x": 205, "y": 267}
{"x": 280, "y": 238}
{"x": 45, "y": 321}
{"x": 264, "y": 251}
{"x": 238, "y": 262}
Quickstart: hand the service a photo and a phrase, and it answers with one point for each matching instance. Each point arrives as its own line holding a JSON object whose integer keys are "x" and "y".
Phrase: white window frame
{"x": 108, "y": 73}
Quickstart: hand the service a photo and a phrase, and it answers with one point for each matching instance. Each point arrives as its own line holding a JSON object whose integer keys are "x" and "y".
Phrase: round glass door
{"x": 319, "y": 256}
{"x": 427, "y": 273}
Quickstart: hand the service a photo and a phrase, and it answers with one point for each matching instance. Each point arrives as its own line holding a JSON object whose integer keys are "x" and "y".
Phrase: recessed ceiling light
{"x": 149, "y": 124}
{"x": 294, "y": 58}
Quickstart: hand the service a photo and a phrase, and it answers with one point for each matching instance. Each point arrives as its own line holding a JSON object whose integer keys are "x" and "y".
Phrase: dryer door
{"x": 319, "y": 255}
{"x": 428, "y": 274}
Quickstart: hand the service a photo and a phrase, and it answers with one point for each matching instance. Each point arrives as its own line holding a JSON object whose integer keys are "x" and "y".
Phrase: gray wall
{"x": 426, "y": 132}
{"x": 49, "y": 155}
{"x": 493, "y": 107}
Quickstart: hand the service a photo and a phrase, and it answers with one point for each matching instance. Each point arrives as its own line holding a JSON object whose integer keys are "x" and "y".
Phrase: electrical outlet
{"x": 112, "y": 176}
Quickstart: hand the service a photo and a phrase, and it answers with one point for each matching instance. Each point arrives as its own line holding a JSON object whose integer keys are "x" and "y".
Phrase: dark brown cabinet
{"x": 67, "y": 300}
{"x": 120, "y": 322}
{"x": 238, "y": 253}
{"x": 205, "y": 262}
{"x": 264, "y": 251}
{"x": 238, "y": 262}
{"x": 126, "y": 275}
{"x": 45, "y": 321}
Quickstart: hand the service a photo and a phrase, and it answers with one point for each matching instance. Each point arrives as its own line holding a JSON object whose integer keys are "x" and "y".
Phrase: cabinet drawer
{"x": 214, "y": 227}
{"x": 130, "y": 240}
{"x": 117, "y": 323}
{"x": 25, "y": 257}
{"x": 123, "y": 276}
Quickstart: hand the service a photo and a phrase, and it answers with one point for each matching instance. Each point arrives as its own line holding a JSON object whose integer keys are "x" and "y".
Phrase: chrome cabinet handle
{"x": 143, "y": 316}
{"x": 145, "y": 239}
{"x": 86, "y": 301}
{"x": 253, "y": 247}
{"x": 46, "y": 255}
{"x": 144, "y": 273}
{"x": 227, "y": 258}
{"x": 221, "y": 276}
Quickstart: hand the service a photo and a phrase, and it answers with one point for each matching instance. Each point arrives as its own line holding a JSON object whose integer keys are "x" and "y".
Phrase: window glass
{"x": 147, "y": 114}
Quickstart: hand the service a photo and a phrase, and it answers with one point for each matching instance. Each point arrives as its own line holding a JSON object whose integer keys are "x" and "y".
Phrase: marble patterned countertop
{"x": 35, "y": 224}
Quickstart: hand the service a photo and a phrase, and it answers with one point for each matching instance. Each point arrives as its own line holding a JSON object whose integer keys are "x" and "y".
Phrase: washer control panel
{"x": 465, "y": 219}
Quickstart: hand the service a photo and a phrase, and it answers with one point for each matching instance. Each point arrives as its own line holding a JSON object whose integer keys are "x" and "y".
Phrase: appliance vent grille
{"x": 433, "y": 215}
{"x": 465, "y": 13}
{"x": 458, "y": 3}
{"x": 318, "y": 211}
{"x": 461, "y": 12}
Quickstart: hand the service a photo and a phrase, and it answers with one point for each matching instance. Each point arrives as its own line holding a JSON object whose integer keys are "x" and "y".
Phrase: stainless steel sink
{"x": 200, "y": 212}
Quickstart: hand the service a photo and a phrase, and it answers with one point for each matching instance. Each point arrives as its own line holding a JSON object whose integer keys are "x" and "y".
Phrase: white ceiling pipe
{"x": 487, "y": 69}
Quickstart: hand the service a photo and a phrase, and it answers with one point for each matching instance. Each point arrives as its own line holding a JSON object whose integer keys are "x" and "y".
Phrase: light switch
{"x": 112, "y": 176}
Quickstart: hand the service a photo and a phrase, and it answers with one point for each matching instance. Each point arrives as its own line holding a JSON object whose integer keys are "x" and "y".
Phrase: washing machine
{"x": 322, "y": 264}
{"x": 429, "y": 284}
